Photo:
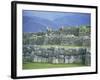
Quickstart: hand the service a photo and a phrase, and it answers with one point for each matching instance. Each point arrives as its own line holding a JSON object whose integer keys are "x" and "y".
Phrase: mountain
{"x": 73, "y": 20}
{"x": 37, "y": 24}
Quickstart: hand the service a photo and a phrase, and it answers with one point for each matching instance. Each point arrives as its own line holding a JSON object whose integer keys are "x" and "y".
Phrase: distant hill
{"x": 37, "y": 24}
{"x": 75, "y": 20}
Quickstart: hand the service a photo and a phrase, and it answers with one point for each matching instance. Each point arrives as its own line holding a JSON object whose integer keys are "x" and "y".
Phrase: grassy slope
{"x": 48, "y": 65}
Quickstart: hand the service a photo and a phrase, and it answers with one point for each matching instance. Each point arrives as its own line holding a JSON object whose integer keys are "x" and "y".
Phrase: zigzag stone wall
{"x": 56, "y": 55}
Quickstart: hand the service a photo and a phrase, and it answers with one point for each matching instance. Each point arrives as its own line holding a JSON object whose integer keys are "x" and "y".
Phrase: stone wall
{"x": 56, "y": 55}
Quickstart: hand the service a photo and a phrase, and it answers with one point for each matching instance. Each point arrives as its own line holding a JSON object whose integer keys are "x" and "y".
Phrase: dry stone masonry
{"x": 56, "y": 55}
{"x": 70, "y": 45}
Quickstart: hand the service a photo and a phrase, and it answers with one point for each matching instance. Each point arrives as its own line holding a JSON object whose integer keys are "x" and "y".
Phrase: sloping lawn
{"x": 48, "y": 65}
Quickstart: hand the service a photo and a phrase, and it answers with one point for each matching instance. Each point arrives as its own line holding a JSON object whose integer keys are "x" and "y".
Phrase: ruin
{"x": 56, "y": 55}
{"x": 33, "y": 50}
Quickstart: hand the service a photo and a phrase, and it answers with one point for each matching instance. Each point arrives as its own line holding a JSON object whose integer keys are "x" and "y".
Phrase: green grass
{"x": 48, "y": 65}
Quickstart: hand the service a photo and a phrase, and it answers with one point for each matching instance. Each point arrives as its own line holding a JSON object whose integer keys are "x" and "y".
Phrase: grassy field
{"x": 48, "y": 65}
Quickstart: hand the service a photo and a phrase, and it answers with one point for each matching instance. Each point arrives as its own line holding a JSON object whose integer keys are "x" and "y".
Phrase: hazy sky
{"x": 52, "y": 15}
